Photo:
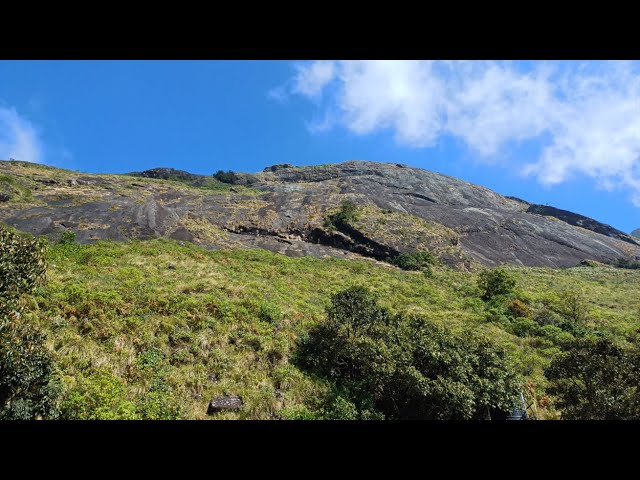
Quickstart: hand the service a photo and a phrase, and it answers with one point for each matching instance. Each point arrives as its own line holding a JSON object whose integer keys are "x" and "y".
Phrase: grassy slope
{"x": 120, "y": 309}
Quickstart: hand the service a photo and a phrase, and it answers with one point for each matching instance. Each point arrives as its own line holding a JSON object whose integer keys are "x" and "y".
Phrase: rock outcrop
{"x": 285, "y": 209}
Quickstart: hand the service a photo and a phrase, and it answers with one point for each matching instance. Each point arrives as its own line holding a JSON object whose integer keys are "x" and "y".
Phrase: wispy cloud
{"x": 19, "y": 138}
{"x": 586, "y": 115}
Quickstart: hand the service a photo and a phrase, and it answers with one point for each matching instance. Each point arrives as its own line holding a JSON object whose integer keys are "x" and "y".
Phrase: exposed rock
{"x": 636, "y": 233}
{"x": 406, "y": 209}
{"x": 171, "y": 266}
{"x": 4, "y": 197}
{"x": 280, "y": 166}
{"x": 225, "y": 402}
{"x": 580, "y": 221}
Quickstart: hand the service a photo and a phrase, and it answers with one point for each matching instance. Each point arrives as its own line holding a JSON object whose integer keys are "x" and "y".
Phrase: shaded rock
{"x": 636, "y": 233}
{"x": 4, "y": 197}
{"x": 223, "y": 403}
{"x": 280, "y": 166}
{"x": 171, "y": 266}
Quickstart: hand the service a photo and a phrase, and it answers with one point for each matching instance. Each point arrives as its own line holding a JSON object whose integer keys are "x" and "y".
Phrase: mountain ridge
{"x": 284, "y": 208}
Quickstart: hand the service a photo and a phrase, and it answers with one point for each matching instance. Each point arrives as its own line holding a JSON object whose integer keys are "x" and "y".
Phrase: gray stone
{"x": 287, "y": 214}
{"x": 224, "y": 403}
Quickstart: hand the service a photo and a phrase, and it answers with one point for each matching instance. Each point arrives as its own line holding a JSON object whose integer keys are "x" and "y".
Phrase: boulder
{"x": 223, "y": 403}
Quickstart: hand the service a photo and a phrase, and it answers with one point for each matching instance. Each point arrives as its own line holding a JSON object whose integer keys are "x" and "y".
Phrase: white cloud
{"x": 18, "y": 137}
{"x": 586, "y": 115}
{"x": 311, "y": 79}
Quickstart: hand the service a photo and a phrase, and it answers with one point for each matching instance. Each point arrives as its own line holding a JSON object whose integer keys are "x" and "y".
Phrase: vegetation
{"x": 346, "y": 214}
{"x": 225, "y": 177}
{"x": 414, "y": 261}
{"x": 494, "y": 283}
{"x": 28, "y": 386}
{"x": 594, "y": 379}
{"x": 405, "y": 367}
{"x": 132, "y": 338}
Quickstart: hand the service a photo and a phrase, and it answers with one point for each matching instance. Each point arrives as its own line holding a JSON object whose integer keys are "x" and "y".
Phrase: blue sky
{"x": 562, "y": 133}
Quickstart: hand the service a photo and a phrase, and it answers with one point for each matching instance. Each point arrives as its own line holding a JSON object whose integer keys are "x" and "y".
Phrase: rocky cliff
{"x": 286, "y": 209}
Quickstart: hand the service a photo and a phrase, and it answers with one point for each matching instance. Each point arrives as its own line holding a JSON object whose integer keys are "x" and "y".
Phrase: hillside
{"x": 124, "y": 318}
{"x": 285, "y": 209}
{"x": 166, "y": 289}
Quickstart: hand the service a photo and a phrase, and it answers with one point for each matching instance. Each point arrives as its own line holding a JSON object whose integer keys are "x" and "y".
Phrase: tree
{"x": 406, "y": 366}
{"x": 495, "y": 282}
{"x": 226, "y": 177}
{"x": 596, "y": 380}
{"x": 28, "y": 384}
{"x": 573, "y": 306}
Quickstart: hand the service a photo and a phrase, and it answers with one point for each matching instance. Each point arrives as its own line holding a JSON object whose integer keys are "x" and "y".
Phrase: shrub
{"x": 226, "y": 177}
{"x": 99, "y": 396}
{"x": 573, "y": 307}
{"x": 495, "y": 282}
{"x": 414, "y": 261}
{"x": 22, "y": 267}
{"x": 596, "y": 380}
{"x": 29, "y": 387}
{"x": 68, "y": 237}
{"x": 404, "y": 367}
{"x": 518, "y": 309}
{"x": 346, "y": 214}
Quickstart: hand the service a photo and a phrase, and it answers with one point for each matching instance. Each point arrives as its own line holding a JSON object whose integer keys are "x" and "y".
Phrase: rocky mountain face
{"x": 636, "y": 233}
{"x": 286, "y": 209}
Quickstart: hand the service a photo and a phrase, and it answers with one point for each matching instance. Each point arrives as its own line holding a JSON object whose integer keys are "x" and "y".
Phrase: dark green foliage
{"x": 226, "y": 177}
{"x": 573, "y": 306}
{"x": 68, "y": 237}
{"x": 22, "y": 266}
{"x": 414, "y": 261}
{"x": 28, "y": 385}
{"x": 405, "y": 366}
{"x": 495, "y": 283}
{"x": 346, "y": 214}
{"x": 596, "y": 380}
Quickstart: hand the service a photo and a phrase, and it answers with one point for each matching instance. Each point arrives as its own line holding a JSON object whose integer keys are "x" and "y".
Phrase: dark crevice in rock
{"x": 418, "y": 195}
{"x": 344, "y": 238}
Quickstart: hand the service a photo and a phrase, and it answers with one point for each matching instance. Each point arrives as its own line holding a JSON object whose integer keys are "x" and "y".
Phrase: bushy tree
{"x": 495, "y": 282}
{"x": 28, "y": 385}
{"x": 405, "y": 366}
{"x": 596, "y": 380}
{"x": 226, "y": 177}
{"x": 414, "y": 261}
{"x": 346, "y": 214}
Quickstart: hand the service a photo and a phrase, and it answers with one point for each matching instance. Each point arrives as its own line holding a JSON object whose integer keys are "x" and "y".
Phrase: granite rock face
{"x": 636, "y": 233}
{"x": 285, "y": 209}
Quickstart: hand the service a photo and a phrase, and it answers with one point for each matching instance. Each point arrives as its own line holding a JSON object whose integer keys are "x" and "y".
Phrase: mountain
{"x": 288, "y": 209}
{"x": 636, "y": 233}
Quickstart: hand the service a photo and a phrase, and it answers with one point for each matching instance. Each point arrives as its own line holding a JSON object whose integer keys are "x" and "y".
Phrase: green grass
{"x": 129, "y": 332}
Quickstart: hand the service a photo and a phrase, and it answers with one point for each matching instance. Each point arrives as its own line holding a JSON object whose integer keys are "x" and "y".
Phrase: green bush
{"x": 496, "y": 282}
{"x": 29, "y": 387}
{"x": 226, "y": 177}
{"x": 573, "y": 306}
{"x": 99, "y": 396}
{"x": 404, "y": 367}
{"x": 346, "y": 214}
{"x": 414, "y": 261}
{"x": 594, "y": 379}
